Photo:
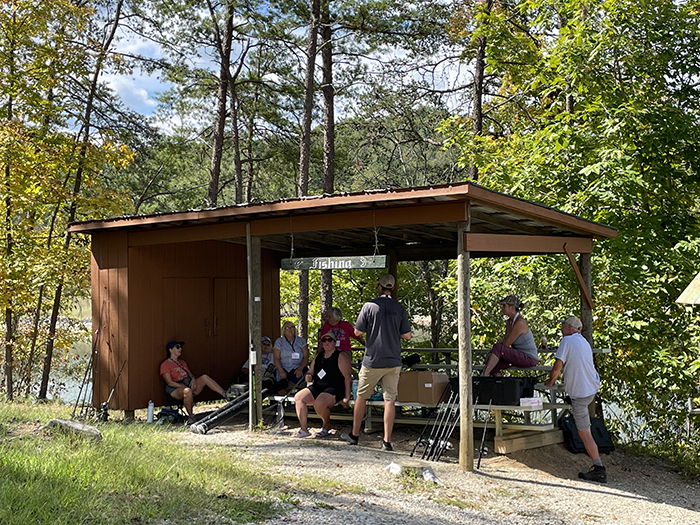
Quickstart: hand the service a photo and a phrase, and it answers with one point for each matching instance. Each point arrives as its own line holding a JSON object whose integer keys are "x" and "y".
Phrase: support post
{"x": 254, "y": 328}
{"x": 586, "y": 310}
{"x": 466, "y": 422}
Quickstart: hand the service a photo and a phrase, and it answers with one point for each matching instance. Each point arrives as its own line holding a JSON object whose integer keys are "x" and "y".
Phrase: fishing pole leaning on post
{"x": 98, "y": 332}
{"x": 103, "y": 414}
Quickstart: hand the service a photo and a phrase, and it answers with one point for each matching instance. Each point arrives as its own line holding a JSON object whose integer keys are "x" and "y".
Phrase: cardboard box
{"x": 431, "y": 385}
{"x": 408, "y": 387}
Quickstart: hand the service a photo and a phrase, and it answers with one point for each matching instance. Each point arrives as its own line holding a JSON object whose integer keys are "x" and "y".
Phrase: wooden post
{"x": 254, "y": 328}
{"x": 586, "y": 310}
{"x": 466, "y": 422}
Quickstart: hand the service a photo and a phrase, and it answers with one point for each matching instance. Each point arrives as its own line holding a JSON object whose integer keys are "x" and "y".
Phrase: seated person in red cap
{"x": 180, "y": 382}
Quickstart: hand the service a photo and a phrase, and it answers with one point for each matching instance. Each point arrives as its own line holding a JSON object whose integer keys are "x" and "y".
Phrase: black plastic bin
{"x": 502, "y": 390}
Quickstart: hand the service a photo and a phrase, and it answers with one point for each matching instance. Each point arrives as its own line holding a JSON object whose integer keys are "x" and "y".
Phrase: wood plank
{"x": 525, "y": 244}
{"x": 526, "y": 440}
{"x": 581, "y": 282}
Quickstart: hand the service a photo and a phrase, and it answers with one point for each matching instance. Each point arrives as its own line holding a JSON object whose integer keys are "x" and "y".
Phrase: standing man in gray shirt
{"x": 581, "y": 381}
{"x": 385, "y": 322}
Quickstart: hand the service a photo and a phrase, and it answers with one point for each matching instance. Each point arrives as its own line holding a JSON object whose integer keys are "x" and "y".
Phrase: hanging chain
{"x": 376, "y": 237}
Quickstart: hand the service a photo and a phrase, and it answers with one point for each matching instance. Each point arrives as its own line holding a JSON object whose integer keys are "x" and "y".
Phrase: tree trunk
{"x": 305, "y": 149}
{"x": 478, "y": 91}
{"x": 305, "y": 153}
{"x": 224, "y": 46}
{"x": 87, "y": 117}
{"x": 236, "y": 136}
{"x": 328, "y": 91}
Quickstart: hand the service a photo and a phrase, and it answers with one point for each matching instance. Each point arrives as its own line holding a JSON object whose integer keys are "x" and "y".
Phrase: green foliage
{"x": 625, "y": 156}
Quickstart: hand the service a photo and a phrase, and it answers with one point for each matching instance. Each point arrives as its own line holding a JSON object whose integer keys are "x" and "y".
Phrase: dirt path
{"x": 539, "y": 486}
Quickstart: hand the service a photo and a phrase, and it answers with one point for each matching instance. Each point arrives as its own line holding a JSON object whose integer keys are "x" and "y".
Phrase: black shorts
{"x": 321, "y": 388}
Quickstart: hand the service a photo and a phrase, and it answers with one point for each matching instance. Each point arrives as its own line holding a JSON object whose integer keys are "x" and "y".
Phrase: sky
{"x": 138, "y": 90}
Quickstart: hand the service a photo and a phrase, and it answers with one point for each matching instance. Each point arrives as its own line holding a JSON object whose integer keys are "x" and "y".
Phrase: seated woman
{"x": 518, "y": 347}
{"x": 342, "y": 330}
{"x": 291, "y": 355}
{"x": 331, "y": 374}
{"x": 180, "y": 382}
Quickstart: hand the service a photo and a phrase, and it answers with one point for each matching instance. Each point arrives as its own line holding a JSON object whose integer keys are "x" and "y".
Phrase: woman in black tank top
{"x": 331, "y": 376}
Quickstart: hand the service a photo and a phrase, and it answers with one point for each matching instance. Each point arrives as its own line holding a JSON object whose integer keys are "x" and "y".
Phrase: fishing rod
{"x": 88, "y": 368}
{"x": 103, "y": 414}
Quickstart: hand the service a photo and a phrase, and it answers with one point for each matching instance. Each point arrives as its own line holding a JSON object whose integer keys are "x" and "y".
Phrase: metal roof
{"x": 416, "y": 223}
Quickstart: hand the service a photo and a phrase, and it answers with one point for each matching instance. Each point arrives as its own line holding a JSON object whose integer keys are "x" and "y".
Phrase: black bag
{"x": 186, "y": 381}
{"x": 169, "y": 415}
{"x": 573, "y": 441}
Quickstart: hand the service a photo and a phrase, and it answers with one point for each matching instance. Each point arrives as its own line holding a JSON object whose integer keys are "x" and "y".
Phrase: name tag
{"x": 337, "y": 343}
{"x": 296, "y": 355}
{"x": 322, "y": 374}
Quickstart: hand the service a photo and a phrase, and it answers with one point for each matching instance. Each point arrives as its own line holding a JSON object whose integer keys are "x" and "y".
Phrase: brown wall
{"x": 192, "y": 291}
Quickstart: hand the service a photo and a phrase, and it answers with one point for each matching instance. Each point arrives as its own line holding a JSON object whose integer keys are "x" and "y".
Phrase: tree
{"x": 40, "y": 57}
{"x": 625, "y": 156}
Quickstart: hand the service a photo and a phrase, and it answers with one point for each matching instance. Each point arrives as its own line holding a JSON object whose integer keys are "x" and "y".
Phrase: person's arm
{"x": 518, "y": 328}
{"x": 346, "y": 369}
{"x": 554, "y": 373}
{"x": 304, "y": 357}
{"x": 407, "y": 336}
{"x": 193, "y": 380}
{"x": 276, "y": 355}
{"x": 310, "y": 373}
{"x": 169, "y": 380}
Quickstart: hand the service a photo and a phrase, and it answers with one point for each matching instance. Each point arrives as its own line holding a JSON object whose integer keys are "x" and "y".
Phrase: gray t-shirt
{"x": 580, "y": 376}
{"x": 384, "y": 320}
{"x": 525, "y": 343}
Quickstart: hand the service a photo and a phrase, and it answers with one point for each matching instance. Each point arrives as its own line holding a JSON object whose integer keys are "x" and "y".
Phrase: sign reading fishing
{"x": 336, "y": 263}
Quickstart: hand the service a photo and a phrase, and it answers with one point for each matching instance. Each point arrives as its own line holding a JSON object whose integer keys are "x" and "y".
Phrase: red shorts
{"x": 508, "y": 357}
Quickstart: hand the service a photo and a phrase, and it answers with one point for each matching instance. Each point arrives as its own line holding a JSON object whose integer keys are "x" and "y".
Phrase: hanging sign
{"x": 336, "y": 263}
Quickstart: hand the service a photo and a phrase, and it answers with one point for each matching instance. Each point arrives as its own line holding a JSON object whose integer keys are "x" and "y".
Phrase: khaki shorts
{"x": 369, "y": 377}
{"x": 579, "y": 408}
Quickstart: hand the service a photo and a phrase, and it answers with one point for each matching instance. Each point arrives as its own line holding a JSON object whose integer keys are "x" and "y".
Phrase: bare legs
{"x": 322, "y": 405}
{"x": 186, "y": 394}
{"x": 590, "y": 444}
{"x": 389, "y": 417}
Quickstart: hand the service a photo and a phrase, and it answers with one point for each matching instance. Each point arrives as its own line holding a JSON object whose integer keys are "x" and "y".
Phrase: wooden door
{"x": 188, "y": 316}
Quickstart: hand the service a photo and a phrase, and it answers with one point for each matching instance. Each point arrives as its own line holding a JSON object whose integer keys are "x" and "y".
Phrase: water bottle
{"x": 150, "y": 411}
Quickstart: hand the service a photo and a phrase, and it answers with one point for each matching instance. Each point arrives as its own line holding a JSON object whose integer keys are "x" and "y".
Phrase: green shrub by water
{"x": 137, "y": 473}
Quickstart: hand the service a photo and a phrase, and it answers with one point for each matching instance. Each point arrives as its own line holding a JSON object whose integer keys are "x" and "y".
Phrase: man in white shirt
{"x": 581, "y": 381}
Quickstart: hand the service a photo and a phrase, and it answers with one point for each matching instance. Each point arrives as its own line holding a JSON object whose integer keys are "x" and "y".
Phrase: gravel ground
{"x": 538, "y": 486}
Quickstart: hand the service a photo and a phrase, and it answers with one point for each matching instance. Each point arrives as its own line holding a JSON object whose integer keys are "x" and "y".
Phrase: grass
{"x": 137, "y": 473}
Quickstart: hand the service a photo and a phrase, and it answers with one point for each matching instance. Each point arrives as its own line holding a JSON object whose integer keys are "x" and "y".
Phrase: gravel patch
{"x": 538, "y": 486}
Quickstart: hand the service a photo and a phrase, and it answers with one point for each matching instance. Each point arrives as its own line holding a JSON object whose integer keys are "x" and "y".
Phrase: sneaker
{"x": 228, "y": 395}
{"x": 595, "y": 474}
{"x": 351, "y": 439}
{"x": 387, "y": 446}
{"x": 301, "y": 434}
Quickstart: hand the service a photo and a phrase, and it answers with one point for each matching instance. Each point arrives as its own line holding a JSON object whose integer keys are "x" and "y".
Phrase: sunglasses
{"x": 266, "y": 344}
{"x": 327, "y": 340}
{"x": 177, "y": 346}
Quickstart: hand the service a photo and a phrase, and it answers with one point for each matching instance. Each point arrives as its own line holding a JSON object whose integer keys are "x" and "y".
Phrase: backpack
{"x": 170, "y": 416}
{"x": 573, "y": 441}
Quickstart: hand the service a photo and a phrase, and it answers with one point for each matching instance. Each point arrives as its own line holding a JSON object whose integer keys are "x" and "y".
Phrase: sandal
{"x": 323, "y": 433}
{"x": 301, "y": 434}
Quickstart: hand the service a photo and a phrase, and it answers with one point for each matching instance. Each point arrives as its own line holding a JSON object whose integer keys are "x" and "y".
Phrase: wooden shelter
{"x": 211, "y": 277}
